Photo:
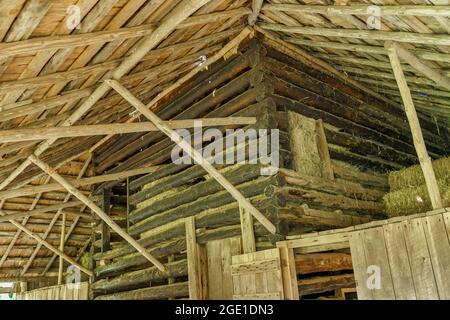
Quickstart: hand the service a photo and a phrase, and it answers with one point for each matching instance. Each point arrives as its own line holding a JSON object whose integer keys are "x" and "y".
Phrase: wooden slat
{"x": 420, "y": 261}
{"x": 375, "y": 251}
{"x": 359, "y": 265}
{"x": 399, "y": 262}
{"x": 219, "y": 253}
{"x": 439, "y": 248}
{"x": 214, "y": 249}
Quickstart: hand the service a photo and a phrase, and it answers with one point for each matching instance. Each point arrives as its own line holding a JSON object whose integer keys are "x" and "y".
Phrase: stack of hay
{"x": 408, "y": 191}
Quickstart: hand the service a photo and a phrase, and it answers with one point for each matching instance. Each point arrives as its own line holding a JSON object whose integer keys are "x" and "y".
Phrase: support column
{"x": 61, "y": 248}
{"x": 105, "y": 231}
{"x": 416, "y": 131}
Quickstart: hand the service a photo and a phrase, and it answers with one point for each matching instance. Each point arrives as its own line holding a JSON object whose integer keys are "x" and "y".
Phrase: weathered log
{"x": 248, "y": 189}
{"x": 128, "y": 280}
{"x": 190, "y": 174}
{"x": 322, "y": 262}
{"x": 240, "y": 174}
{"x": 176, "y": 290}
{"x": 296, "y": 195}
{"x": 325, "y": 284}
{"x": 349, "y": 189}
{"x": 319, "y": 219}
{"x": 285, "y": 103}
{"x": 426, "y": 122}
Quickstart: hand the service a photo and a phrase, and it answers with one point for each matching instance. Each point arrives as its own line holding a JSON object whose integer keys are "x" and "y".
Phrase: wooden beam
{"x": 16, "y": 135}
{"x": 411, "y": 114}
{"x": 194, "y": 154}
{"x": 49, "y": 246}
{"x": 49, "y": 79}
{"x": 51, "y": 172}
{"x": 29, "y": 46}
{"x": 415, "y": 63}
{"x": 214, "y": 17}
{"x": 34, "y": 45}
{"x": 363, "y": 9}
{"x": 400, "y": 36}
{"x": 256, "y": 9}
{"x": 14, "y": 215}
{"x": 178, "y": 14}
{"x": 423, "y": 54}
{"x": 25, "y": 191}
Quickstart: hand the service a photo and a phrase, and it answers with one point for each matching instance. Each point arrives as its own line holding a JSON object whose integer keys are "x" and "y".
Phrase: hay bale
{"x": 411, "y": 200}
{"x": 413, "y": 176}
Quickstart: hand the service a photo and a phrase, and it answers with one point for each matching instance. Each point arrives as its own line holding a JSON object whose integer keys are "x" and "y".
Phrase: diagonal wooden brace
{"x": 75, "y": 192}
{"x": 49, "y": 246}
{"x": 194, "y": 154}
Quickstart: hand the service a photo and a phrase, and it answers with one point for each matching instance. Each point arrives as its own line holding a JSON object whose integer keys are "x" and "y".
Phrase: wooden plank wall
{"x": 260, "y": 276}
{"x": 61, "y": 292}
{"x": 219, "y": 253}
{"x": 413, "y": 257}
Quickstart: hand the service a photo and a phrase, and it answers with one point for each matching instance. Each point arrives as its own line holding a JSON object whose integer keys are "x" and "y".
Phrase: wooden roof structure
{"x": 55, "y": 56}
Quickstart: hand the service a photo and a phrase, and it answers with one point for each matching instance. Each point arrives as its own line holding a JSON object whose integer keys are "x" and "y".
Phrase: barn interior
{"x": 224, "y": 149}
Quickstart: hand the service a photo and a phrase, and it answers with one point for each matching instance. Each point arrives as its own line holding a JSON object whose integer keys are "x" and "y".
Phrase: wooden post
{"x": 61, "y": 248}
{"x": 195, "y": 290}
{"x": 419, "y": 143}
{"x": 288, "y": 271}
{"x": 128, "y": 203}
{"x": 105, "y": 232}
{"x": 248, "y": 235}
{"x": 51, "y": 172}
{"x": 194, "y": 154}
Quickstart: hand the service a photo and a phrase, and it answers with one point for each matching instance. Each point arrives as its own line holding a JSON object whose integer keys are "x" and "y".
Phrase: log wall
{"x": 364, "y": 139}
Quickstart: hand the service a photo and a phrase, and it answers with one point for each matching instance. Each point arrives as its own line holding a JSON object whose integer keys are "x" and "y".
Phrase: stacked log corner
{"x": 360, "y": 137}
